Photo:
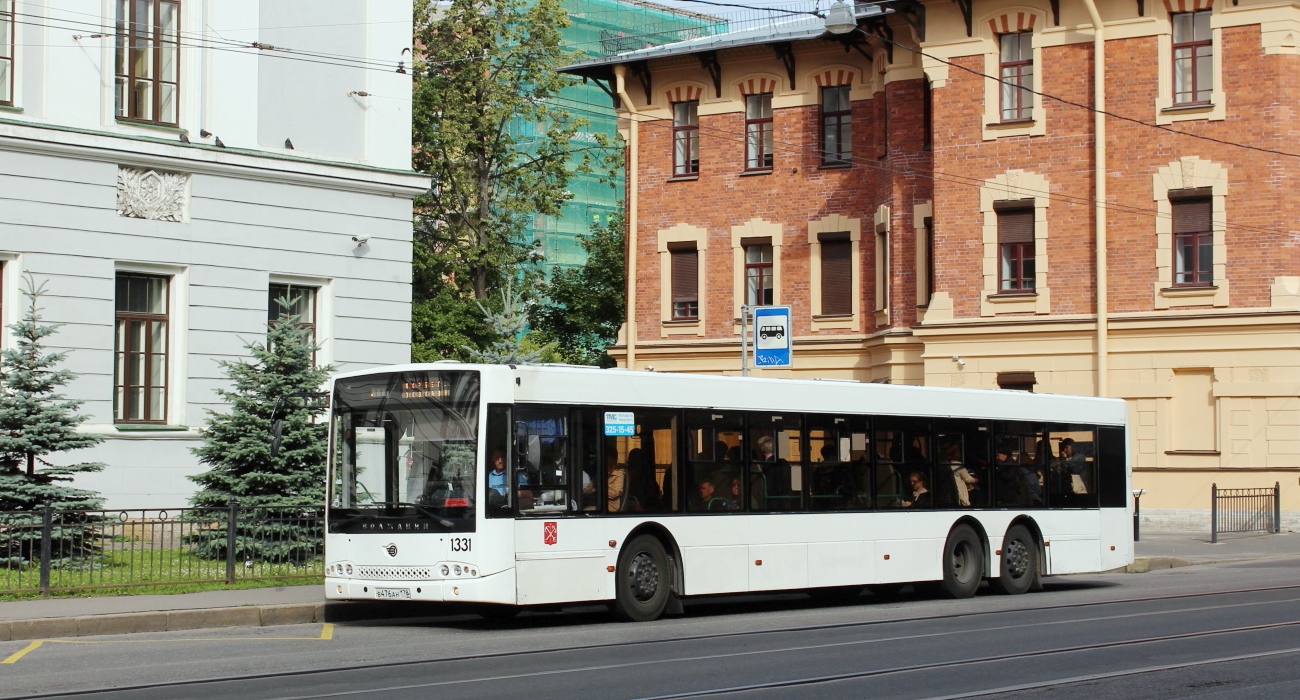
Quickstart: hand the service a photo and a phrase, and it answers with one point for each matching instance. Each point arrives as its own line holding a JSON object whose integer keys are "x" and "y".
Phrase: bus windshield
{"x": 405, "y": 448}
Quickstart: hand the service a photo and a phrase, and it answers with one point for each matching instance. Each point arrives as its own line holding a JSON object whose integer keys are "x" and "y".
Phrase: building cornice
{"x": 166, "y": 154}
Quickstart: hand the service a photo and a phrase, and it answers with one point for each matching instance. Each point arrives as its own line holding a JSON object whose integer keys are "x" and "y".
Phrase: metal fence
{"x": 1244, "y": 510}
{"x": 53, "y": 550}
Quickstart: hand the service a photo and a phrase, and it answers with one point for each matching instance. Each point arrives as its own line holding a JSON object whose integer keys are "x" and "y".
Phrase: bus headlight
{"x": 445, "y": 571}
{"x": 349, "y": 569}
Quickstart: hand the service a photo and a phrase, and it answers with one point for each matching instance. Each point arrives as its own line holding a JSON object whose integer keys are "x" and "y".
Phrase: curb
{"x": 211, "y": 618}
{"x": 1142, "y": 565}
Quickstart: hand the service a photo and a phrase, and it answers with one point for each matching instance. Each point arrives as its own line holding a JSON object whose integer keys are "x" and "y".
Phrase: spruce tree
{"x": 276, "y": 490}
{"x": 509, "y": 328}
{"x": 36, "y": 421}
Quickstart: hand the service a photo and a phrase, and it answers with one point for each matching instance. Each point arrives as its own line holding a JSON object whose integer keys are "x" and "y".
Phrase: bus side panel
{"x": 715, "y": 569}
{"x": 841, "y": 563}
{"x": 566, "y": 577}
{"x": 901, "y": 561}
{"x": 778, "y": 566}
{"x": 1116, "y": 533}
{"x": 1073, "y": 540}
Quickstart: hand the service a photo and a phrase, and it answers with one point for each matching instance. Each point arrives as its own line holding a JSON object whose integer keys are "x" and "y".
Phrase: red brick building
{"x": 928, "y": 195}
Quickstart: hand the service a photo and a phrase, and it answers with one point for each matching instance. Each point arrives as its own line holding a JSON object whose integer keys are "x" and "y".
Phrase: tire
{"x": 641, "y": 583}
{"x": 963, "y": 563}
{"x": 835, "y": 595}
{"x": 1019, "y": 562}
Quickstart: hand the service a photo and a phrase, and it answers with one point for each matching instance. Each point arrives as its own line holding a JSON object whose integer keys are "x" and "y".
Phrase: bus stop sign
{"x": 772, "y": 339}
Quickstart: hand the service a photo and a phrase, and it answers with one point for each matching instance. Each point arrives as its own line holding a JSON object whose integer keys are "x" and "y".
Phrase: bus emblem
{"x": 391, "y": 549}
{"x": 550, "y": 533}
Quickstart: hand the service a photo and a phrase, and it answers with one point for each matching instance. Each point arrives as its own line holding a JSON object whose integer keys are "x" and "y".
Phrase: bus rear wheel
{"x": 641, "y": 585}
{"x": 1019, "y": 563}
{"x": 963, "y": 563}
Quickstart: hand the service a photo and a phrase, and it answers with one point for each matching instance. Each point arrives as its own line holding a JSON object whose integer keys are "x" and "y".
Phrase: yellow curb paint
{"x": 13, "y": 658}
{"x": 326, "y": 634}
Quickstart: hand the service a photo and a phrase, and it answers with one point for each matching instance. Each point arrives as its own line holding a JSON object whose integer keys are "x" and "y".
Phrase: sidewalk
{"x": 79, "y": 617}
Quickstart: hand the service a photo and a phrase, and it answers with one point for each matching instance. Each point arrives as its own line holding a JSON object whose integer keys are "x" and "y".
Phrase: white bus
{"x": 534, "y": 485}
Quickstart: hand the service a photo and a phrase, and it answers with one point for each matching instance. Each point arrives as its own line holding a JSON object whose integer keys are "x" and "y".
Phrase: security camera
{"x": 360, "y": 240}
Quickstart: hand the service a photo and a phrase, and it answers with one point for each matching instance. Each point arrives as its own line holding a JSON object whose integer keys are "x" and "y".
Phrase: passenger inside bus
{"x": 920, "y": 497}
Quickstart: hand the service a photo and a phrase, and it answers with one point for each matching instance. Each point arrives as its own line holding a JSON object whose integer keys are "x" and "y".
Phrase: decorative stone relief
{"x": 149, "y": 194}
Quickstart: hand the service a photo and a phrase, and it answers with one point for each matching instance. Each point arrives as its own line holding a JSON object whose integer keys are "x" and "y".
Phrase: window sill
{"x": 151, "y": 126}
{"x": 749, "y": 173}
{"x": 677, "y": 322}
{"x": 1207, "y": 453}
{"x": 1190, "y": 291}
{"x": 683, "y": 178}
{"x": 835, "y": 166}
{"x": 832, "y": 317}
{"x": 149, "y": 427}
{"x": 11, "y": 108}
{"x": 1188, "y": 107}
{"x": 1011, "y": 296}
{"x": 1011, "y": 124}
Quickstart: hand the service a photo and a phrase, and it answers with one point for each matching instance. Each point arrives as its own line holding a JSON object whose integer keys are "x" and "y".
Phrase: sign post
{"x": 772, "y": 336}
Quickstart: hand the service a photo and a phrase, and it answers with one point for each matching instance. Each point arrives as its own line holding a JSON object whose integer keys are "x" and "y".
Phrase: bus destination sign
{"x": 620, "y": 423}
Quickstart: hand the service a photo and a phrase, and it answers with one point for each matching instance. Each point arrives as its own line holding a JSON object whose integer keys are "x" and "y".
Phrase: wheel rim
{"x": 1016, "y": 559}
{"x": 644, "y": 577}
{"x": 963, "y": 562}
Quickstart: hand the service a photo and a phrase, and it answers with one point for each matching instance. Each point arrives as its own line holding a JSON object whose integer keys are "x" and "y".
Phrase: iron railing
{"x": 48, "y": 549}
{"x": 1244, "y": 510}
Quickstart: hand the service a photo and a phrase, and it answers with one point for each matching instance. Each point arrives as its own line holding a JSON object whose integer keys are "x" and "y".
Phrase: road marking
{"x": 13, "y": 658}
{"x": 326, "y": 634}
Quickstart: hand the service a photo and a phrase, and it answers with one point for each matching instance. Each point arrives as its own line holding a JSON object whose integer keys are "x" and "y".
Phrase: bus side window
{"x": 497, "y": 450}
{"x": 1112, "y": 471}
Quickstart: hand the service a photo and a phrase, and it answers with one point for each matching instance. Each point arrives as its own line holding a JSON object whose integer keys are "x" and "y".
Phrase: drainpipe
{"x": 1099, "y": 187}
{"x": 620, "y": 89}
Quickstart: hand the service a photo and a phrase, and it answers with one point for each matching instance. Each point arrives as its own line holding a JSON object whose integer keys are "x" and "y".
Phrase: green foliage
{"x": 586, "y": 305}
{"x": 36, "y": 421}
{"x": 499, "y": 150}
{"x": 237, "y": 445}
{"x": 508, "y": 326}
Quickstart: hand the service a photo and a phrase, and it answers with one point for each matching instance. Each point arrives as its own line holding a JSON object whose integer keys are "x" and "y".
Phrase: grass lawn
{"x": 153, "y": 571}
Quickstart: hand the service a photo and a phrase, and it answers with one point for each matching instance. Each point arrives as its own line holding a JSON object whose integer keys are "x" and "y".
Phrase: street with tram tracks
{"x": 1216, "y": 630}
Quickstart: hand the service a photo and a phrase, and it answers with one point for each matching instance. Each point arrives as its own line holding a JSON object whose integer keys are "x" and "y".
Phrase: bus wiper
{"x": 426, "y": 511}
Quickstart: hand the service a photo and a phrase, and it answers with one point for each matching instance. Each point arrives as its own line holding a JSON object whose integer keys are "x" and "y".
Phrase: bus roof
{"x": 568, "y": 384}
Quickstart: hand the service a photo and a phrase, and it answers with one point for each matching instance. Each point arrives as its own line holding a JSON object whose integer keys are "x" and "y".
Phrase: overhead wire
{"x": 948, "y": 178}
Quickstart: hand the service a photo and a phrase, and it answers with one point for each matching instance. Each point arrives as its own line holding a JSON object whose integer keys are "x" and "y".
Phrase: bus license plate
{"x": 398, "y": 593}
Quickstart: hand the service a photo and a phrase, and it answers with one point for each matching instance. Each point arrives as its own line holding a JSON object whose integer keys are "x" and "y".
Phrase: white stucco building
{"x": 167, "y": 166}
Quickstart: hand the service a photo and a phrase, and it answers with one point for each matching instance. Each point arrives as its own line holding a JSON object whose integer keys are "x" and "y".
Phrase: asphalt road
{"x": 1214, "y": 631}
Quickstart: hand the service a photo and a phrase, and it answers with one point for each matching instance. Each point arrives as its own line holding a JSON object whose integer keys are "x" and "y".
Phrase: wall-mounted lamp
{"x": 358, "y": 93}
{"x": 960, "y": 362}
{"x": 360, "y": 240}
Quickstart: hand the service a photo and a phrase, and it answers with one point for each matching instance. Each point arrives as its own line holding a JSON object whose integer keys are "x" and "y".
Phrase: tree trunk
{"x": 31, "y": 464}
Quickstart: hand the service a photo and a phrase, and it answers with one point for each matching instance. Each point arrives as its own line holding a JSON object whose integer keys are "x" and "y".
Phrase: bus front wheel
{"x": 642, "y": 583}
{"x": 1019, "y": 562}
{"x": 963, "y": 563}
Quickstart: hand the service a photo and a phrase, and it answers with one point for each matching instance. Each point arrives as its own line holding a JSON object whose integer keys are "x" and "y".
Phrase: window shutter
{"x": 1015, "y": 225}
{"x": 1191, "y": 213}
{"x": 837, "y": 277}
{"x": 686, "y": 263}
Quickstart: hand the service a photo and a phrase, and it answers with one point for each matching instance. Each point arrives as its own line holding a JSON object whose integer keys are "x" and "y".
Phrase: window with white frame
{"x": 141, "y": 348}
{"x": 6, "y": 52}
{"x": 1193, "y": 58}
{"x": 837, "y": 134}
{"x": 1016, "y": 69}
{"x": 758, "y": 131}
{"x": 147, "y": 61}
{"x": 758, "y": 273}
{"x": 686, "y": 138}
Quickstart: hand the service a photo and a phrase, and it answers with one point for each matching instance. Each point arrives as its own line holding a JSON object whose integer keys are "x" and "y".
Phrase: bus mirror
{"x": 277, "y": 431}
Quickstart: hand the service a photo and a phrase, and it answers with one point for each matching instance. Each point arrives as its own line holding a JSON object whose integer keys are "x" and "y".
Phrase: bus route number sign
{"x": 620, "y": 423}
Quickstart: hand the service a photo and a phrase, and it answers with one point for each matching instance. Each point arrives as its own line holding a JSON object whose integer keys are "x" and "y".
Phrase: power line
{"x": 948, "y": 178}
